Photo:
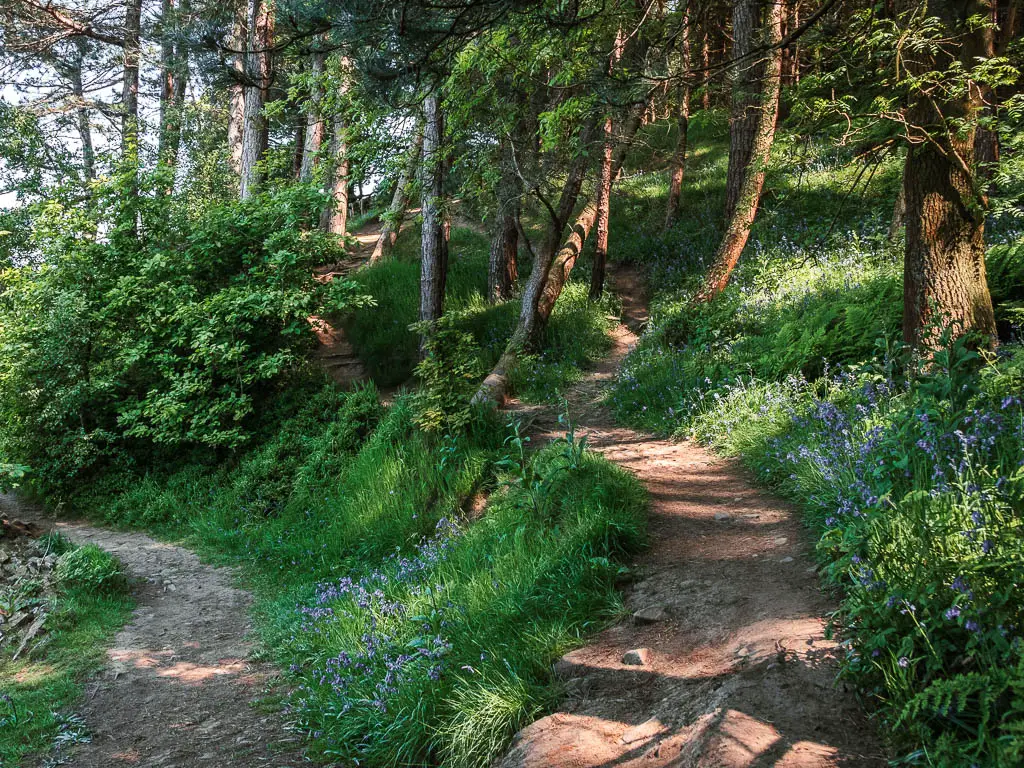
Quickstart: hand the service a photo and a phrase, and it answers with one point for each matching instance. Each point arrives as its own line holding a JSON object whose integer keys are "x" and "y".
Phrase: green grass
{"x": 350, "y": 493}
{"x": 37, "y": 690}
{"x": 575, "y": 337}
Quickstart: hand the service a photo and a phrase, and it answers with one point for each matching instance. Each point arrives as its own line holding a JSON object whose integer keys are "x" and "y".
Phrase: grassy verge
{"x": 85, "y": 604}
{"x": 911, "y": 476}
{"x": 575, "y": 337}
{"x": 413, "y": 635}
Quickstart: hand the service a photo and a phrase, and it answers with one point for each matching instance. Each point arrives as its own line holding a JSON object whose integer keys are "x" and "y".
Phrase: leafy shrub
{"x": 166, "y": 343}
{"x": 89, "y": 568}
{"x": 448, "y": 373}
{"x": 11, "y": 476}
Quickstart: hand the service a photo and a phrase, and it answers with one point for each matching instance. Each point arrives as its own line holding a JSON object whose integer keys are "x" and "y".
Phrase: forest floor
{"x": 180, "y": 687}
{"x": 724, "y": 662}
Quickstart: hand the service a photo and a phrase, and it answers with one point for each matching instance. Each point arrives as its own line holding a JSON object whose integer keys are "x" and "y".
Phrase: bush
{"x": 89, "y": 568}
{"x": 156, "y": 346}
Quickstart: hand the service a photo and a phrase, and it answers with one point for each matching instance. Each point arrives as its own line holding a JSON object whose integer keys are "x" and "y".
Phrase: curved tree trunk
{"x": 944, "y": 283}
{"x": 434, "y": 245}
{"x": 742, "y": 218}
{"x": 399, "y": 200}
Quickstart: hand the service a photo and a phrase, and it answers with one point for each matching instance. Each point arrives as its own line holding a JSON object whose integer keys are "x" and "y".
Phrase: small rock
{"x": 638, "y": 657}
{"x": 650, "y": 615}
{"x": 744, "y": 651}
{"x": 786, "y": 560}
{"x": 813, "y": 569}
{"x": 780, "y": 540}
{"x": 722, "y": 516}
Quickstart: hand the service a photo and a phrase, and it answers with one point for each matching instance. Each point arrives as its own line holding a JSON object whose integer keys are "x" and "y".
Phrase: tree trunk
{"x": 899, "y": 215}
{"x": 399, "y": 200}
{"x": 83, "y": 118}
{"x": 765, "y": 110}
{"x": 675, "y": 190}
{"x": 173, "y": 81}
{"x": 944, "y": 284}
{"x": 335, "y": 216}
{"x": 314, "y": 119}
{"x": 130, "y": 83}
{"x": 602, "y": 213}
{"x": 259, "y": 74}
{"x": 434, "y": 247}
{"x": 747, "y": 73}
{"x": 236, "y": 107}
{"x": 705, "y": 62}
{"x": 503, "y": 269}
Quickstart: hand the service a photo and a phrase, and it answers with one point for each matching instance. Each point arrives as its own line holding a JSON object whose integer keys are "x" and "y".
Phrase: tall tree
{"x": 335, "y": 215}
{"x": 944, "y": 283}
{"x": 434, "y": 246}
{"x": 259, "y": 74}
{"x": 747, "y": 75}
{"x": 764, "y": 108}
{"x": 503, "y": 268}
{"x": 314, "y": 133}
{"x": 236, "y": 44}
{"x": 678, "y": 163}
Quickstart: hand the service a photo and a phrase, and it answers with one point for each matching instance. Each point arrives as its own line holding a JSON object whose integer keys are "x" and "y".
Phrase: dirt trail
{"x": 336, "y": 354}
{"x": 730, "y": 668}
{"x": 180, "y": 688}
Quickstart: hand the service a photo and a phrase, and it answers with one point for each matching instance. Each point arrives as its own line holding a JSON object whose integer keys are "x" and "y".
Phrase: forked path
{"x": 180, "y": 688}
{"x": 728, "y": 621}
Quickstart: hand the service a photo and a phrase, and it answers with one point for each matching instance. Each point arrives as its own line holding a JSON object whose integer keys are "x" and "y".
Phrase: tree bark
{"x": 434, "y": 246}
{"x": 335, "y": 216}
{"x": 399, "y": 200}
{"x": 503, "y": 268}
{"x": 944, "y": 283}
{"x": 678, "y": 164}
{"x": 602, "y": 213}
{"x": 746, "y": 75}
{"x": 259, "y": 75}
{"x": 130, "y": 83}
{"x": 314, "y": 119}
{"x": 745, "y": 210}
{"x": 236, "y": 106}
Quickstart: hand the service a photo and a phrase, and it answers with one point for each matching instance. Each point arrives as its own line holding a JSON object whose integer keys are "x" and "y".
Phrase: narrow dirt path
{"x": 336, "y": 353}
{"x": 180, "y": 688}
{"x": 724, "y": 663}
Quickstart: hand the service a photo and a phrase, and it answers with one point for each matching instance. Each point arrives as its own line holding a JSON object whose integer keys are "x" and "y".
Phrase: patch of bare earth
{"x": 180, "y": 687}
{"x": 724, "y": 663}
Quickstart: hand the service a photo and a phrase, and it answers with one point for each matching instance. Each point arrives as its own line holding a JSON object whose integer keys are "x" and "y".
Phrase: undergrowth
{"x": 910, "y": 473}
{"x": 413, "y": 634}
{"x": 88, "y": 603}
{"x": 575, "y": 337}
